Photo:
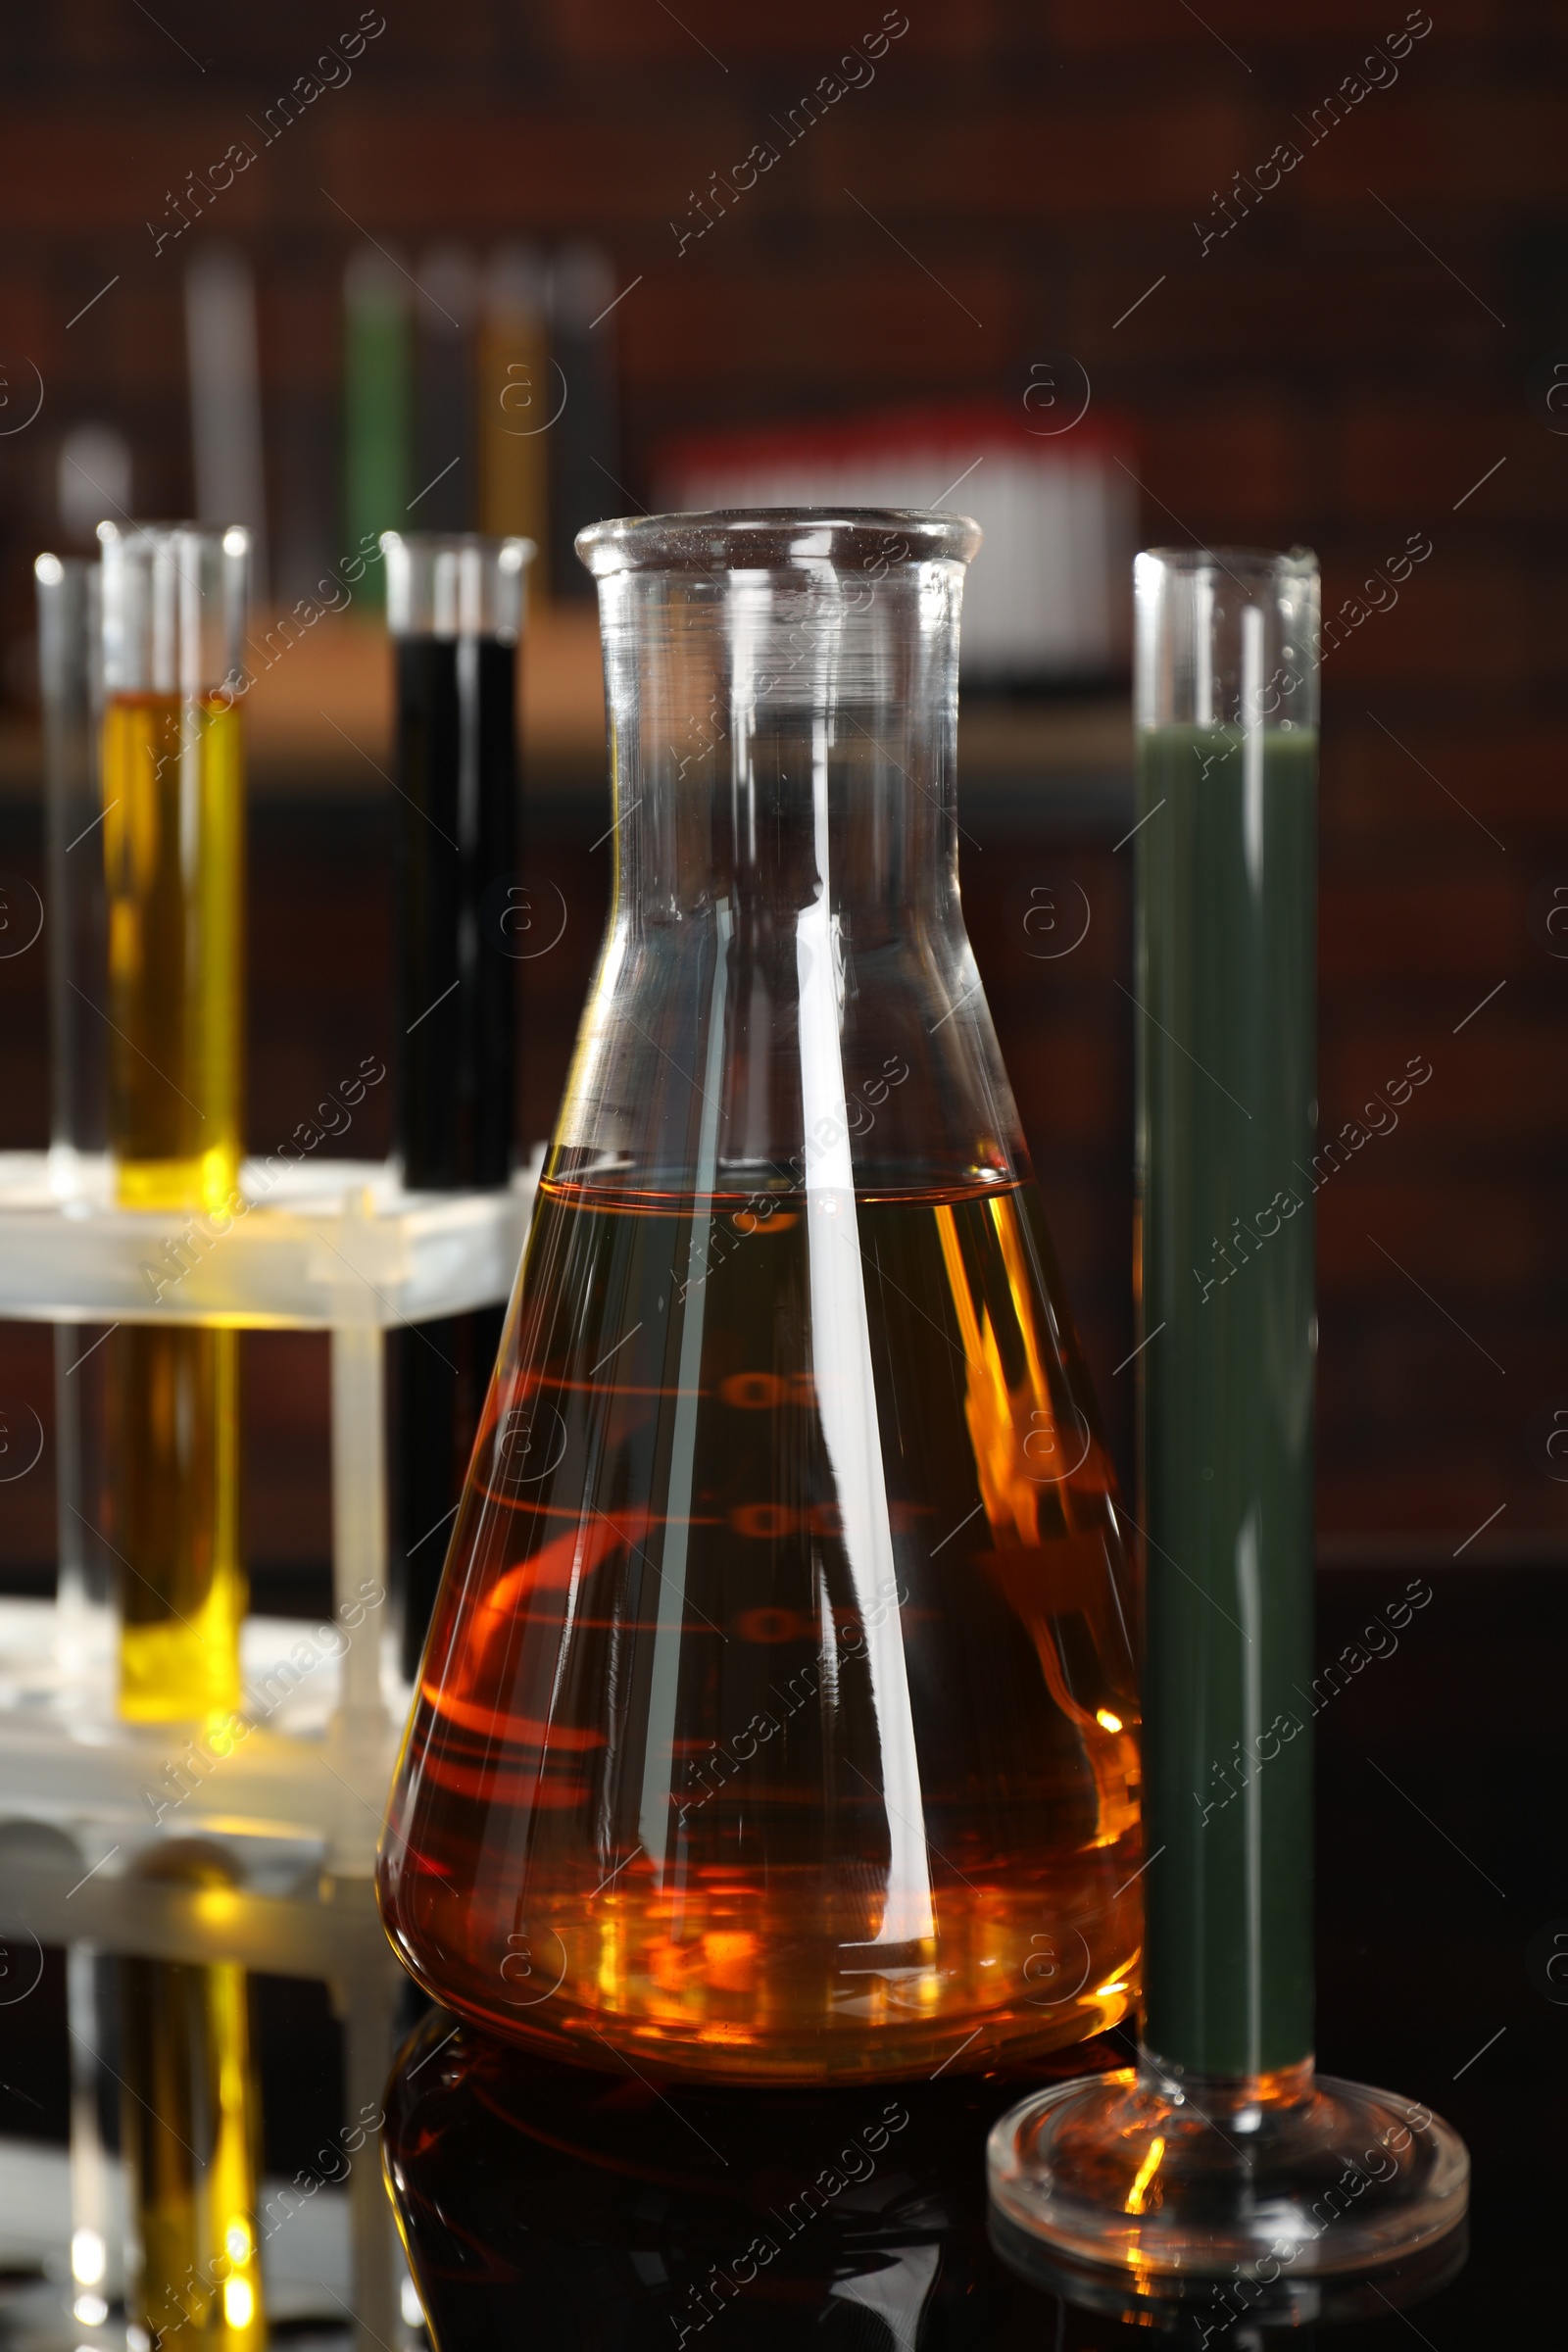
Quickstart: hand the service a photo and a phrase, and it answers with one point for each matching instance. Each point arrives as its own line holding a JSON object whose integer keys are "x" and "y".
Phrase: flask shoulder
{"x": 712, "y": 1056}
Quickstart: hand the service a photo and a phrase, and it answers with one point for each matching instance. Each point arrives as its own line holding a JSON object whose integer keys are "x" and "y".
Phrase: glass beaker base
{"x": 1166, "y": 2183}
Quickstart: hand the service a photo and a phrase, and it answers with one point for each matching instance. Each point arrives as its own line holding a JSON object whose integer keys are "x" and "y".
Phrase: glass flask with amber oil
{"x": 173, "y": 767}
{"x": 778, "y": 1716}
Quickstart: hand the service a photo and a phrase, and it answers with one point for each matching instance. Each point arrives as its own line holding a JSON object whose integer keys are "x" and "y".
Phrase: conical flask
{"x": 778, "y": 1716}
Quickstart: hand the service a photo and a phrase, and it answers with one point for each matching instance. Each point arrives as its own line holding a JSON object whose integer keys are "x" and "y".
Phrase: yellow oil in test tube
{"x": 173, "y": 848}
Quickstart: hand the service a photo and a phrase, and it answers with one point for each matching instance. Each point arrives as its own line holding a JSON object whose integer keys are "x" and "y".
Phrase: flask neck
{"x": 786, "y": 993}
{"x": 782, "y": 742}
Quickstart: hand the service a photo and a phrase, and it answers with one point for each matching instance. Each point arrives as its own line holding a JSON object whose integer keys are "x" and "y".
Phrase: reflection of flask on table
{"x": 779, "y": 1713}
{"x": 541, "y": 2203}
{"x": 454, "y": 607}
{"x": 173, "y": 609}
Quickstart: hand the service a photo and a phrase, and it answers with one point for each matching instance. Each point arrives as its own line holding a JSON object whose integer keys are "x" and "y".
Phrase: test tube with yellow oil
{"x": 172, "y": 768}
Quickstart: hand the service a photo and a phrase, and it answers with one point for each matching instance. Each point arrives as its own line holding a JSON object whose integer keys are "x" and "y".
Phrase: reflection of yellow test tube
{"x": 173, "y": 604}
{"x": 191, "y": 2133}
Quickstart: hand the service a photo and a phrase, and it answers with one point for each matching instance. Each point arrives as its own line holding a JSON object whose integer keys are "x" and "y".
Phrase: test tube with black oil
{"x": 455, "y": 605}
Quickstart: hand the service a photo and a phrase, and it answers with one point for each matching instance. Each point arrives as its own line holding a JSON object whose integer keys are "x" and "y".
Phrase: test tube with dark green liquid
{"x": 1227, "y": 780}
{"x": 1221, "y": 2156}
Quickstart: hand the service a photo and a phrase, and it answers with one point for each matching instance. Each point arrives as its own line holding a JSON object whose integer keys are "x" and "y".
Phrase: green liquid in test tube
{"x": 1228, "y": 901}
{"x": 377, "y": 381}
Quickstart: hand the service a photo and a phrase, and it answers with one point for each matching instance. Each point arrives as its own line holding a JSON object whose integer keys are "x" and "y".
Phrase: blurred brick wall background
{"x": 1364, "y": 353}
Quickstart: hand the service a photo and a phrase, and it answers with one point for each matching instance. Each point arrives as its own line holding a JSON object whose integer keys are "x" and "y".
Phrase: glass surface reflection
{"x": 552, "y": 2206}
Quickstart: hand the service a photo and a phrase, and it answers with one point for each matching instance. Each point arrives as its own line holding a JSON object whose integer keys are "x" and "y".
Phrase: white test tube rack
{"x": 333, "y": 1245}
{"x": 328, "y": 1245}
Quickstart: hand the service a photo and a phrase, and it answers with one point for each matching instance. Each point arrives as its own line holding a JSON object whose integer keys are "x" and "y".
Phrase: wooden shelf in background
{"x": 322, "y": 708}
{"x": 320, "y": 721}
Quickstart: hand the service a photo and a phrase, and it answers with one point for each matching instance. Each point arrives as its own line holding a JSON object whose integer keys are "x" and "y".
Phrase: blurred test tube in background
{"x": 520, "y": 397}
{"x": 584, "y": 451}
{"x": 445, "y": 491}
{"x": 377, "y": 406}
{"x": 226, "y": 397}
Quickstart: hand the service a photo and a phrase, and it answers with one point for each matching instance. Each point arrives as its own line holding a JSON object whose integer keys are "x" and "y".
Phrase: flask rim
{"x": 778, "y": 539}
{"x": 1257, "y": 563}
